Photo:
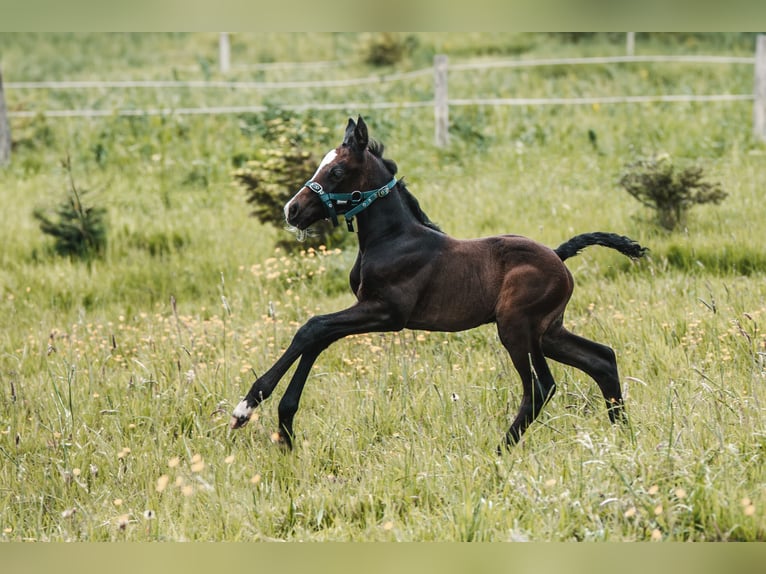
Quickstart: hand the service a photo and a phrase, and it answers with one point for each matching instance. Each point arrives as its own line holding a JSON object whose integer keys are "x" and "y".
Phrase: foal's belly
{"x": 449, "y": 318}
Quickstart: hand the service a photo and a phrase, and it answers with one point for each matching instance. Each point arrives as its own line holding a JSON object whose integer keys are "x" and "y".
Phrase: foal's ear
{"x": 361, "y": 131}
{"x": 356, "y": 136}
{"x": 349, "y": 131}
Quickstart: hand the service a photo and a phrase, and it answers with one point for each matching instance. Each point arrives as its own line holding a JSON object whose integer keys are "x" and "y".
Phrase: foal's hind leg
{"x": 593, "y": 358}
{"x": 536, "y": 378}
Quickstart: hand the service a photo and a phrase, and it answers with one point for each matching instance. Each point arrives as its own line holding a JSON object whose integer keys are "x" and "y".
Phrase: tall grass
{"x": 118, "y": 377}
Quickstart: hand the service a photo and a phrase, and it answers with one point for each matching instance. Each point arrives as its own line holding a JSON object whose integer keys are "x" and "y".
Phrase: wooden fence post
{"x": 5, "y": 128}
{"x": 224, "y": 53}
{"x": 759, "y": 104}
{"x": 441, "y": 105}
{"x": 630, "y": 43}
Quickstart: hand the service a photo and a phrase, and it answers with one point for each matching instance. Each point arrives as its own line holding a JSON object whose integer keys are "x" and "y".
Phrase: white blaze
{"x": 328, "y": 158}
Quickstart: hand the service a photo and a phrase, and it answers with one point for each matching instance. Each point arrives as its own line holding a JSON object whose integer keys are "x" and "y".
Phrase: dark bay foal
{"x": 409, "y": 274}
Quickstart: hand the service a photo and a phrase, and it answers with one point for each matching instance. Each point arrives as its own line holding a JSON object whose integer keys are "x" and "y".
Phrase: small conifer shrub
{"x": 656, "y": 183}
{"x": 79, "y": 230}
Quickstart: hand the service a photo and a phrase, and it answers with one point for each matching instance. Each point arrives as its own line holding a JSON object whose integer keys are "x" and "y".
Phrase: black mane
{"x": 376, "y": 148}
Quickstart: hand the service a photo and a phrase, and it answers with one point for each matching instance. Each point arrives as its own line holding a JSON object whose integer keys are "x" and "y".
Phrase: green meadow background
{"x": 118, "y": 375}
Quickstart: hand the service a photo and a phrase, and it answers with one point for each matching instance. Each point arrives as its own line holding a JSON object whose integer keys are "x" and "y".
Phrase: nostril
{"x": 292, "y": 210}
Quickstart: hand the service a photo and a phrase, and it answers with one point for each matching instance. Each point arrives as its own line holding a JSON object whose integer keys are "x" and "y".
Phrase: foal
{"x": 409, "y": 274}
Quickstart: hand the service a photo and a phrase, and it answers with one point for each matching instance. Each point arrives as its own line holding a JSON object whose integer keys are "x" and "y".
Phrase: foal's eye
{"x": 336, "y": 172}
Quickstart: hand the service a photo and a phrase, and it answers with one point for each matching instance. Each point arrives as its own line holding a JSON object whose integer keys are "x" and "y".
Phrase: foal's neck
{"x": 385, "y": 219}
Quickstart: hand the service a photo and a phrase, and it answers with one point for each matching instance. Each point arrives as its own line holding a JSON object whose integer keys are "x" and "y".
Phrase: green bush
{"x": 279, "y": 168}
{"x": 388, "y": 48}
{"x": 656, "y": 183}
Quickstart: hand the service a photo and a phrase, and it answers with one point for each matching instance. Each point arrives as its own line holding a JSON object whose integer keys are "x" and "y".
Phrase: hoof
{"x": 237, "y": 422}
{"x": 282, "y": 441}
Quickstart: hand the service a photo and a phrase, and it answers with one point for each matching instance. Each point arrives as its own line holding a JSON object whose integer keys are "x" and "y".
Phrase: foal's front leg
{"x": 309, "y": 341}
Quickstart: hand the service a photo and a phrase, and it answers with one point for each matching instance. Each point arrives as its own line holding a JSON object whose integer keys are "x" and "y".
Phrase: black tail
{"x": 624, "y": 245}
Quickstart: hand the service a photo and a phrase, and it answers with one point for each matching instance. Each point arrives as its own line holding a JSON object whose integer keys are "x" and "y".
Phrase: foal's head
{"x": 356, "y": 164}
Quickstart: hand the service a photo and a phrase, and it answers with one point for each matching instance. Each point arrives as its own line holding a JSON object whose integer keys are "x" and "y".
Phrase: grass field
{"x": 118, "y": 375}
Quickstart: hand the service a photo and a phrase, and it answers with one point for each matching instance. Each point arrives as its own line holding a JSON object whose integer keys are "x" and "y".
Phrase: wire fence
{"x": 367, "y": 80}
{"x": 439, "y": 100}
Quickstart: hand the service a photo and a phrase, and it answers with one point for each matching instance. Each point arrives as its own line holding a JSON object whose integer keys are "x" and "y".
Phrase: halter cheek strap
{"x": 326, "y": 200}
{"x": 360, "y": 200}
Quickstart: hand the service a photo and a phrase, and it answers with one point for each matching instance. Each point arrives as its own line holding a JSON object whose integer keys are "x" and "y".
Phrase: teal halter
{"x": 359, "y": 200}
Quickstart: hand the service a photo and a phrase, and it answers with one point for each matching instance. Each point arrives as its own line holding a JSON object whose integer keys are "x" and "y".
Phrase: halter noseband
{"x": 360, "y": 200}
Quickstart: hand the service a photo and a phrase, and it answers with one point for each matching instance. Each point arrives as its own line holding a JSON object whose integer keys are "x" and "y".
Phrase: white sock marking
{"x": 242, "y": 411}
